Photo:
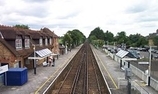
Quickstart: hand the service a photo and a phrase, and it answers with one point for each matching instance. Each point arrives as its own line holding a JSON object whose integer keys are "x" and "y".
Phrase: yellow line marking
{"x": 36, "y": 92}
{"x": 108, "y": 72}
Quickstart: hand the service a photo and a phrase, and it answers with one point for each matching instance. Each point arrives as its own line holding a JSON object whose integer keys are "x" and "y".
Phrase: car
{"x": 155, "y": 56}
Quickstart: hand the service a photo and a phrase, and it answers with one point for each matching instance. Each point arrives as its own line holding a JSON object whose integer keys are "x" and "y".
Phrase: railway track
{"x": 81, "y": 76}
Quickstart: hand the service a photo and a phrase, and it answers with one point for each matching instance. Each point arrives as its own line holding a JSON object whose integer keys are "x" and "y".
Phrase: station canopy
{"x": 122, "y": 53}
{"x": 41, "y": 54}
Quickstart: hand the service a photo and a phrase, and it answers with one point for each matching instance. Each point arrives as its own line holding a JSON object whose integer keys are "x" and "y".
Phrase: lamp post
{"x": 149, "y": 67}
{"x": 107, "y": 44}
{"x": 66, "y": 47}
{"x": 34, "y": 62}
{"x": 114, "y": 46}
{"x": 70, "y": 47}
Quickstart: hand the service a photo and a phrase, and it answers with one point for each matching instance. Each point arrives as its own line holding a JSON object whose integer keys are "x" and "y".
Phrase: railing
{"x": 139, "y": 87}
{"x": 122, "y": 83}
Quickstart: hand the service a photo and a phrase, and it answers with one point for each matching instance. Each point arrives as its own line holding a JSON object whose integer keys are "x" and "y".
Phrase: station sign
{"x": 3, "y": 68}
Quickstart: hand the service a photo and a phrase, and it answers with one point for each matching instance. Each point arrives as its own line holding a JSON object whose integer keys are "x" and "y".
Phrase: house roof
{"x": 49, "y": 32}
{"x": 9, "y": 47}
{"x": 9, "y": 32}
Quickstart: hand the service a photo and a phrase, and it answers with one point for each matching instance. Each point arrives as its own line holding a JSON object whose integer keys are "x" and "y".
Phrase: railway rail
{"x": 81, "y": 76}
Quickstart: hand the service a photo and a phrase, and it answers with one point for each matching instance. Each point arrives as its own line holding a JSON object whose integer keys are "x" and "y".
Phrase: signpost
{"x": 3, "y": 69}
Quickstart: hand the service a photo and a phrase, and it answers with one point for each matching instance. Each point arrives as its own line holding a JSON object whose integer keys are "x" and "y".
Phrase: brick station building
{"x": 22, "y": 47}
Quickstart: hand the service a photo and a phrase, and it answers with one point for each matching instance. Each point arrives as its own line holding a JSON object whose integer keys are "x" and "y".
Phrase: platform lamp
{"x": 34, "y": 61}
{"x": 149, "y": 67}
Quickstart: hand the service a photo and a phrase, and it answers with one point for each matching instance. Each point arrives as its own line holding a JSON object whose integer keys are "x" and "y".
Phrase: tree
{"x": 76, "y": 36}
{"x": 98, "y": 33}
{"x": 109, "y": 36}
{"x": 137, "y": 40}
{"x": 22, "y": 26}
{"x": 67, "y": 39}
{"x": 92, "y": 39}
{"x": 155, "y": 40}
{"x": 97, "y": 37}
{"x": 121, "y": 37}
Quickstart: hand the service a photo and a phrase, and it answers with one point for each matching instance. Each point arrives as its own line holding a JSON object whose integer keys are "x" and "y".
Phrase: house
{"x": 25, "y": 47}
{"x": 55, "y": 49}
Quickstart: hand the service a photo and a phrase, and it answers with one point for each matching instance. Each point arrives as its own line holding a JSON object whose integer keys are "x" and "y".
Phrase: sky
{"x": 60, "y": 16}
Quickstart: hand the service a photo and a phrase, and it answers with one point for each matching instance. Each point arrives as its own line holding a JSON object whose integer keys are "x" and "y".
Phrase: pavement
{"x": 44, "y": 75}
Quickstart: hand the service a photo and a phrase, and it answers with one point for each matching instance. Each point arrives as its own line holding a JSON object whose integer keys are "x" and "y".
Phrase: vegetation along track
{"x": 81, "y": 76}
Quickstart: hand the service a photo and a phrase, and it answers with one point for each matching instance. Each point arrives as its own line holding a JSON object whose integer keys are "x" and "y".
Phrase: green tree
{"x": 67, "y": 39}
{"x": 22, "y": 26}
{"x": 155, "y": 40}
{"x": 98, "y": 33}
{"x": 92, "y": 39}
{"x": 97, "y": 37}
{"x": 109, "y": 36}
{"x": 121, "y": 37}
{"x": 76, "y": 36}
{"x": 137, "y": 40}
{"x": 80, "y": 35}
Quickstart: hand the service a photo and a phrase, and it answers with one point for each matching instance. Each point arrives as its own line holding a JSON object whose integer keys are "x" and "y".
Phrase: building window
{"x": 50, "y": 41}
{"x": 46, "y": 41}
{"x": 27, "y": 43}
{"x": 18, "y": 43}
{"x": 40, "y": 41}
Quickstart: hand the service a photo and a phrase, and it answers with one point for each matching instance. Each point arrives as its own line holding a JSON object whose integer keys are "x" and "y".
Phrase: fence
{"x": 136, "y": 87}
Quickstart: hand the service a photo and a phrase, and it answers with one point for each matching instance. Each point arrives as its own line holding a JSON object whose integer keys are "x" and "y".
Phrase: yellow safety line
{"x": 36, "y": 92}
{"x": 108, "y": 73}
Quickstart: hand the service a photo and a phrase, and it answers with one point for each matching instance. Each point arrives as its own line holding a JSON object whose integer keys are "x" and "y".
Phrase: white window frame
{"x": 18, "y": 43}
{"x": 46, "y": 41}
{"x": 27, "y": 43}
{"x": 41, "y": 41}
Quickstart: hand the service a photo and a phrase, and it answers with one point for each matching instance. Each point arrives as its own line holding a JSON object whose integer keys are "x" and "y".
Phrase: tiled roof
{"x": 9, "y": 47}
{"x": 9, "y": 32}
{"x": 49, "y": 32}
{"x": 35, "y": 34}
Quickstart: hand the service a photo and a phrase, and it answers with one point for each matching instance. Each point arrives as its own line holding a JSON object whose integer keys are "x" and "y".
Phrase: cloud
{"x": 69, "y": 15}
{"x": 35, "y": 1}
{"x": 20, "y": 12}
{"x": 63, "y": 25}
{"x": 36, "y": 11}
{"x": 148, "y": 18}
{"x": 62, "y": 15}
{"x": 137, "y": 8}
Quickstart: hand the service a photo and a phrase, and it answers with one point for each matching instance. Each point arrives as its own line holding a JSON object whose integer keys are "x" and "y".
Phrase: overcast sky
{"x": 60, "y": 16}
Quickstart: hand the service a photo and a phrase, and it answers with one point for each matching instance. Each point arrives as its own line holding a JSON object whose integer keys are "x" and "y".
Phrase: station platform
{"x": 116, "y": 76}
